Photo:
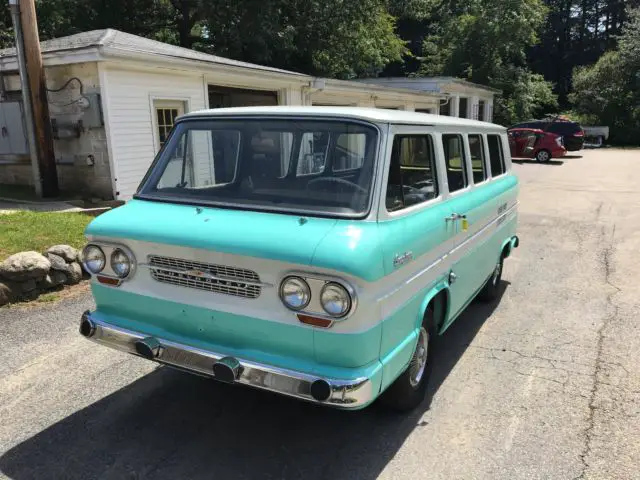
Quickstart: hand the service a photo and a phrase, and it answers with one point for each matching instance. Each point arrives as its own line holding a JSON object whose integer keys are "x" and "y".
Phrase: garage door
{"x": 220, "y": 97}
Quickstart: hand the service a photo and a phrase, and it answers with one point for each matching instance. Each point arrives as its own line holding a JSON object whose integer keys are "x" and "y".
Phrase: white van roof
{"x": 379, "y": 115}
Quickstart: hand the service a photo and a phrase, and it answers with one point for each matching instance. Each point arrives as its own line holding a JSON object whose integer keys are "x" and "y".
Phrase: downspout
{"x": 315, "y": 85}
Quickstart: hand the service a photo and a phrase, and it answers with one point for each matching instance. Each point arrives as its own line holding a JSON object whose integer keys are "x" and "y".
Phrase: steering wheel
{"x": 340, "y": 181}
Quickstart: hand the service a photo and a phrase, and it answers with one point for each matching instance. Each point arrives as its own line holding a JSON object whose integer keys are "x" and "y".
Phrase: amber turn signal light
{"x": 108, "y": 280}
{"x": 315, "y": 321}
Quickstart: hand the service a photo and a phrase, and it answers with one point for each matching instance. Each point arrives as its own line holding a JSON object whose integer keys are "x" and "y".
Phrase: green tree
{"x": 335, "y": 38}
{"x": 608, "y": 92}
{"x": 577, "y": 32}
{"x": 485, "y": 41}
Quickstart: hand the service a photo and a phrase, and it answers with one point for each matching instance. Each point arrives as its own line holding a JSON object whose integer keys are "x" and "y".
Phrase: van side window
{"x": 496, "y": 156}
{"x": 476, "y": 147}
{"x": 412, "y": 173}
{"x": 454, "y": 161}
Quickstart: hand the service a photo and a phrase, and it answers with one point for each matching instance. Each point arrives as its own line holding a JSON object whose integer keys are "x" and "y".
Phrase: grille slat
{"x": 229, "y": 281}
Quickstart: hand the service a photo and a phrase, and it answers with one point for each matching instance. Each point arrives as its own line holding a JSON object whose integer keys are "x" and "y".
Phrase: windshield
{"x": 315, "y": 166}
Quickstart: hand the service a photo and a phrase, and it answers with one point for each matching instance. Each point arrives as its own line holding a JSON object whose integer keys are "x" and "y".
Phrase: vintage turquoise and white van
{"x": 316, "y": 252}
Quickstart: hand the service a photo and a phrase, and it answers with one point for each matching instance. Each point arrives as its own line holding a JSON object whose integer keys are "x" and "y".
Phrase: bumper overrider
{"x": 331, "y": 392}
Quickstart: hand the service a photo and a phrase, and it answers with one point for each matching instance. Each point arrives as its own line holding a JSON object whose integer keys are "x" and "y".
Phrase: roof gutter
{"x": 108, "y": 52}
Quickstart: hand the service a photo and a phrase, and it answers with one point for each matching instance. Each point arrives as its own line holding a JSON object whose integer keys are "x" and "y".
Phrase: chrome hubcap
{"x": 544, "y": 156}
{"x": 496, "y": 273}
{"x": 419, "y": 361}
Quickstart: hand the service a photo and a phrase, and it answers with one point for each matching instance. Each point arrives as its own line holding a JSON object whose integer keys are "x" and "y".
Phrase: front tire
{"x": 410, "y": 388}
{"x": 543, "y": 156}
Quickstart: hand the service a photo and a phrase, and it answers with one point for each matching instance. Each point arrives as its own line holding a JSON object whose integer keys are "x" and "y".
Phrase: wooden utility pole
{"x": 39, "y": 103}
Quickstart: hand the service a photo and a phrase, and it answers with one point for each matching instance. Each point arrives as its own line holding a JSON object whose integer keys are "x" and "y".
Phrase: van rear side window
{"x": 496, "y": 155}
{"x": 476, "y": 147}
{"x": 454, "y": 161}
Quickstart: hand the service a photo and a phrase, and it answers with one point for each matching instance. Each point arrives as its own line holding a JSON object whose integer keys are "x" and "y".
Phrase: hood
{"x": 240, "y": 232}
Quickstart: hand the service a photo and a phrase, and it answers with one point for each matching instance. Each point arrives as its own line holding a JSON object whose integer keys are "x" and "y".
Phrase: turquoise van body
{"x": 174, "y": 305}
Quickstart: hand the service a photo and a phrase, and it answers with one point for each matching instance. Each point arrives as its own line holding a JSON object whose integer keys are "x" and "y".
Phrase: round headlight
{"x": 120, "y": 263}
{"x": 295, "y": 293}
{"x": 93, "y": 258}
{"x": 335, "y": 299}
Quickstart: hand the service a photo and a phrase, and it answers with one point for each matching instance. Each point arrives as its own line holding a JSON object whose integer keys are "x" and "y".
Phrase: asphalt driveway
{"x": 543, "y": 384}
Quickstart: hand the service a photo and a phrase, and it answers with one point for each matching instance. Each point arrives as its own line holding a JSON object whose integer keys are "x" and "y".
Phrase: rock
{"x": 32, "y": 295}
{"x": 28, "y": 285}
{"x": 7, "y": 293}
{"x": 24, "y": 265}
{"x": 67, "y": 252}
{"x": 74, "y": 274}
{"x": 57, "y": 262}
{"x": 52, "y": 280}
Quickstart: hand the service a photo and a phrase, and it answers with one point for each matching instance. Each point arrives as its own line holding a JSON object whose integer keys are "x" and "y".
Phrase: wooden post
{"x": 39, "y": 103}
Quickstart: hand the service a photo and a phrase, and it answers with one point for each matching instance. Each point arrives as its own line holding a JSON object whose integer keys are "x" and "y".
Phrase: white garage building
{"x": 113, "y": 97}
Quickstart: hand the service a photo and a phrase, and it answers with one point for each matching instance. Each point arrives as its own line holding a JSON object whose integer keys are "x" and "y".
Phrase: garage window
{"x": 496, "y": 155}
{"x": 166, "y": 112}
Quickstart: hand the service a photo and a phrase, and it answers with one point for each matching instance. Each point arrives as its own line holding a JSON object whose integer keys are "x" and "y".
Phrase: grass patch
{"x": 38, "y": 231}
{"x": 48, "y": 297}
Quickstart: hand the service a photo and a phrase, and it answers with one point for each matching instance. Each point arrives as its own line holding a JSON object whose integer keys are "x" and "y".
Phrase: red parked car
{"x": 535, "y": 143}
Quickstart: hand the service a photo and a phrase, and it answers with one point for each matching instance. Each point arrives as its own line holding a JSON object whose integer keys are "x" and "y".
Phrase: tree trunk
{"x": 185, "y": 21}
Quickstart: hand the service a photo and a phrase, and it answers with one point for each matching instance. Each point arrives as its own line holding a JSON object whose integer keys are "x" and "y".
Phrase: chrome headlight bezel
{"x": 113, "y": 262}
{"x": 335, "y": 288}
{"x": 86, "y": 261}
{"x": 304, "y": 289}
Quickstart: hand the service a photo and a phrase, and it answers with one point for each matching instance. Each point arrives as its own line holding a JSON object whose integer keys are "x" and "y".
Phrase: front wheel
{"x": 543, "y": 156}
{"x": 490, "y": 290}
{"x": 410, "y": 388}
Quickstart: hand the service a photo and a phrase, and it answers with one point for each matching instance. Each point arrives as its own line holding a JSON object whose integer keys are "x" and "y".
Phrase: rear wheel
{"x": 410, "y": 388}
{"x": 491, "y": 289}
{"x": 543, "y": 156}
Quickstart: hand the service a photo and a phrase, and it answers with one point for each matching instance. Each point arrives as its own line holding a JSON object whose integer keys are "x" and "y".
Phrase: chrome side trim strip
{"x": 456, "y": 247}
{"x": 345, "y": 394}
{"x": 498, "y": 220}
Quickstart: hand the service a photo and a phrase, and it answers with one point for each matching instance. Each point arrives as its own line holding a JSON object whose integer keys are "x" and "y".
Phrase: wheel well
{"x": 440, "y": 305}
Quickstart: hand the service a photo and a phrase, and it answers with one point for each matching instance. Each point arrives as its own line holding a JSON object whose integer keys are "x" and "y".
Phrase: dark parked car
{"x": 571, "y": 132}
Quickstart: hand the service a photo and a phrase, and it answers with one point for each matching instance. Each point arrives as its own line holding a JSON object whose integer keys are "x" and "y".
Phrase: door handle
{"x": 454, "y": 216}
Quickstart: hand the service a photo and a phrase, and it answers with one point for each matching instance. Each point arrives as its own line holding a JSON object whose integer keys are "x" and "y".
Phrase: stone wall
{"x": 24, "y": 276}
{"x": 82, "y": 162}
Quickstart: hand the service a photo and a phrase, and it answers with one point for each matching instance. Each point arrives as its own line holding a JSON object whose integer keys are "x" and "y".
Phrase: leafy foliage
{"x": 608, "y": 92}
{"x": 336, "y": 38}
{"x": 577, "y": 32}
{"x": 484, "y": 41}
{"x": 526, "y": 48}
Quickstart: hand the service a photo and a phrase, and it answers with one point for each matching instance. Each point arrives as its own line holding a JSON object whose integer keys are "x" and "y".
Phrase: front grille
{"x": 239, "y": 282}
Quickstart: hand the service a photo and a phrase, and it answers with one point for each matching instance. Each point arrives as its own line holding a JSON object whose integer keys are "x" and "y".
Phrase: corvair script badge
{"x": 402, "y": 259}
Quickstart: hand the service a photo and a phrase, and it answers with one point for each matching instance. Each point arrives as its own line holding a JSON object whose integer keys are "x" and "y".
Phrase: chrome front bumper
{"x": 327, "y": 391}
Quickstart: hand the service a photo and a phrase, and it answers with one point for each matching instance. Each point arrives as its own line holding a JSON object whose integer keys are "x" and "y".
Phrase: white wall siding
{"x": 129, "y": 103}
